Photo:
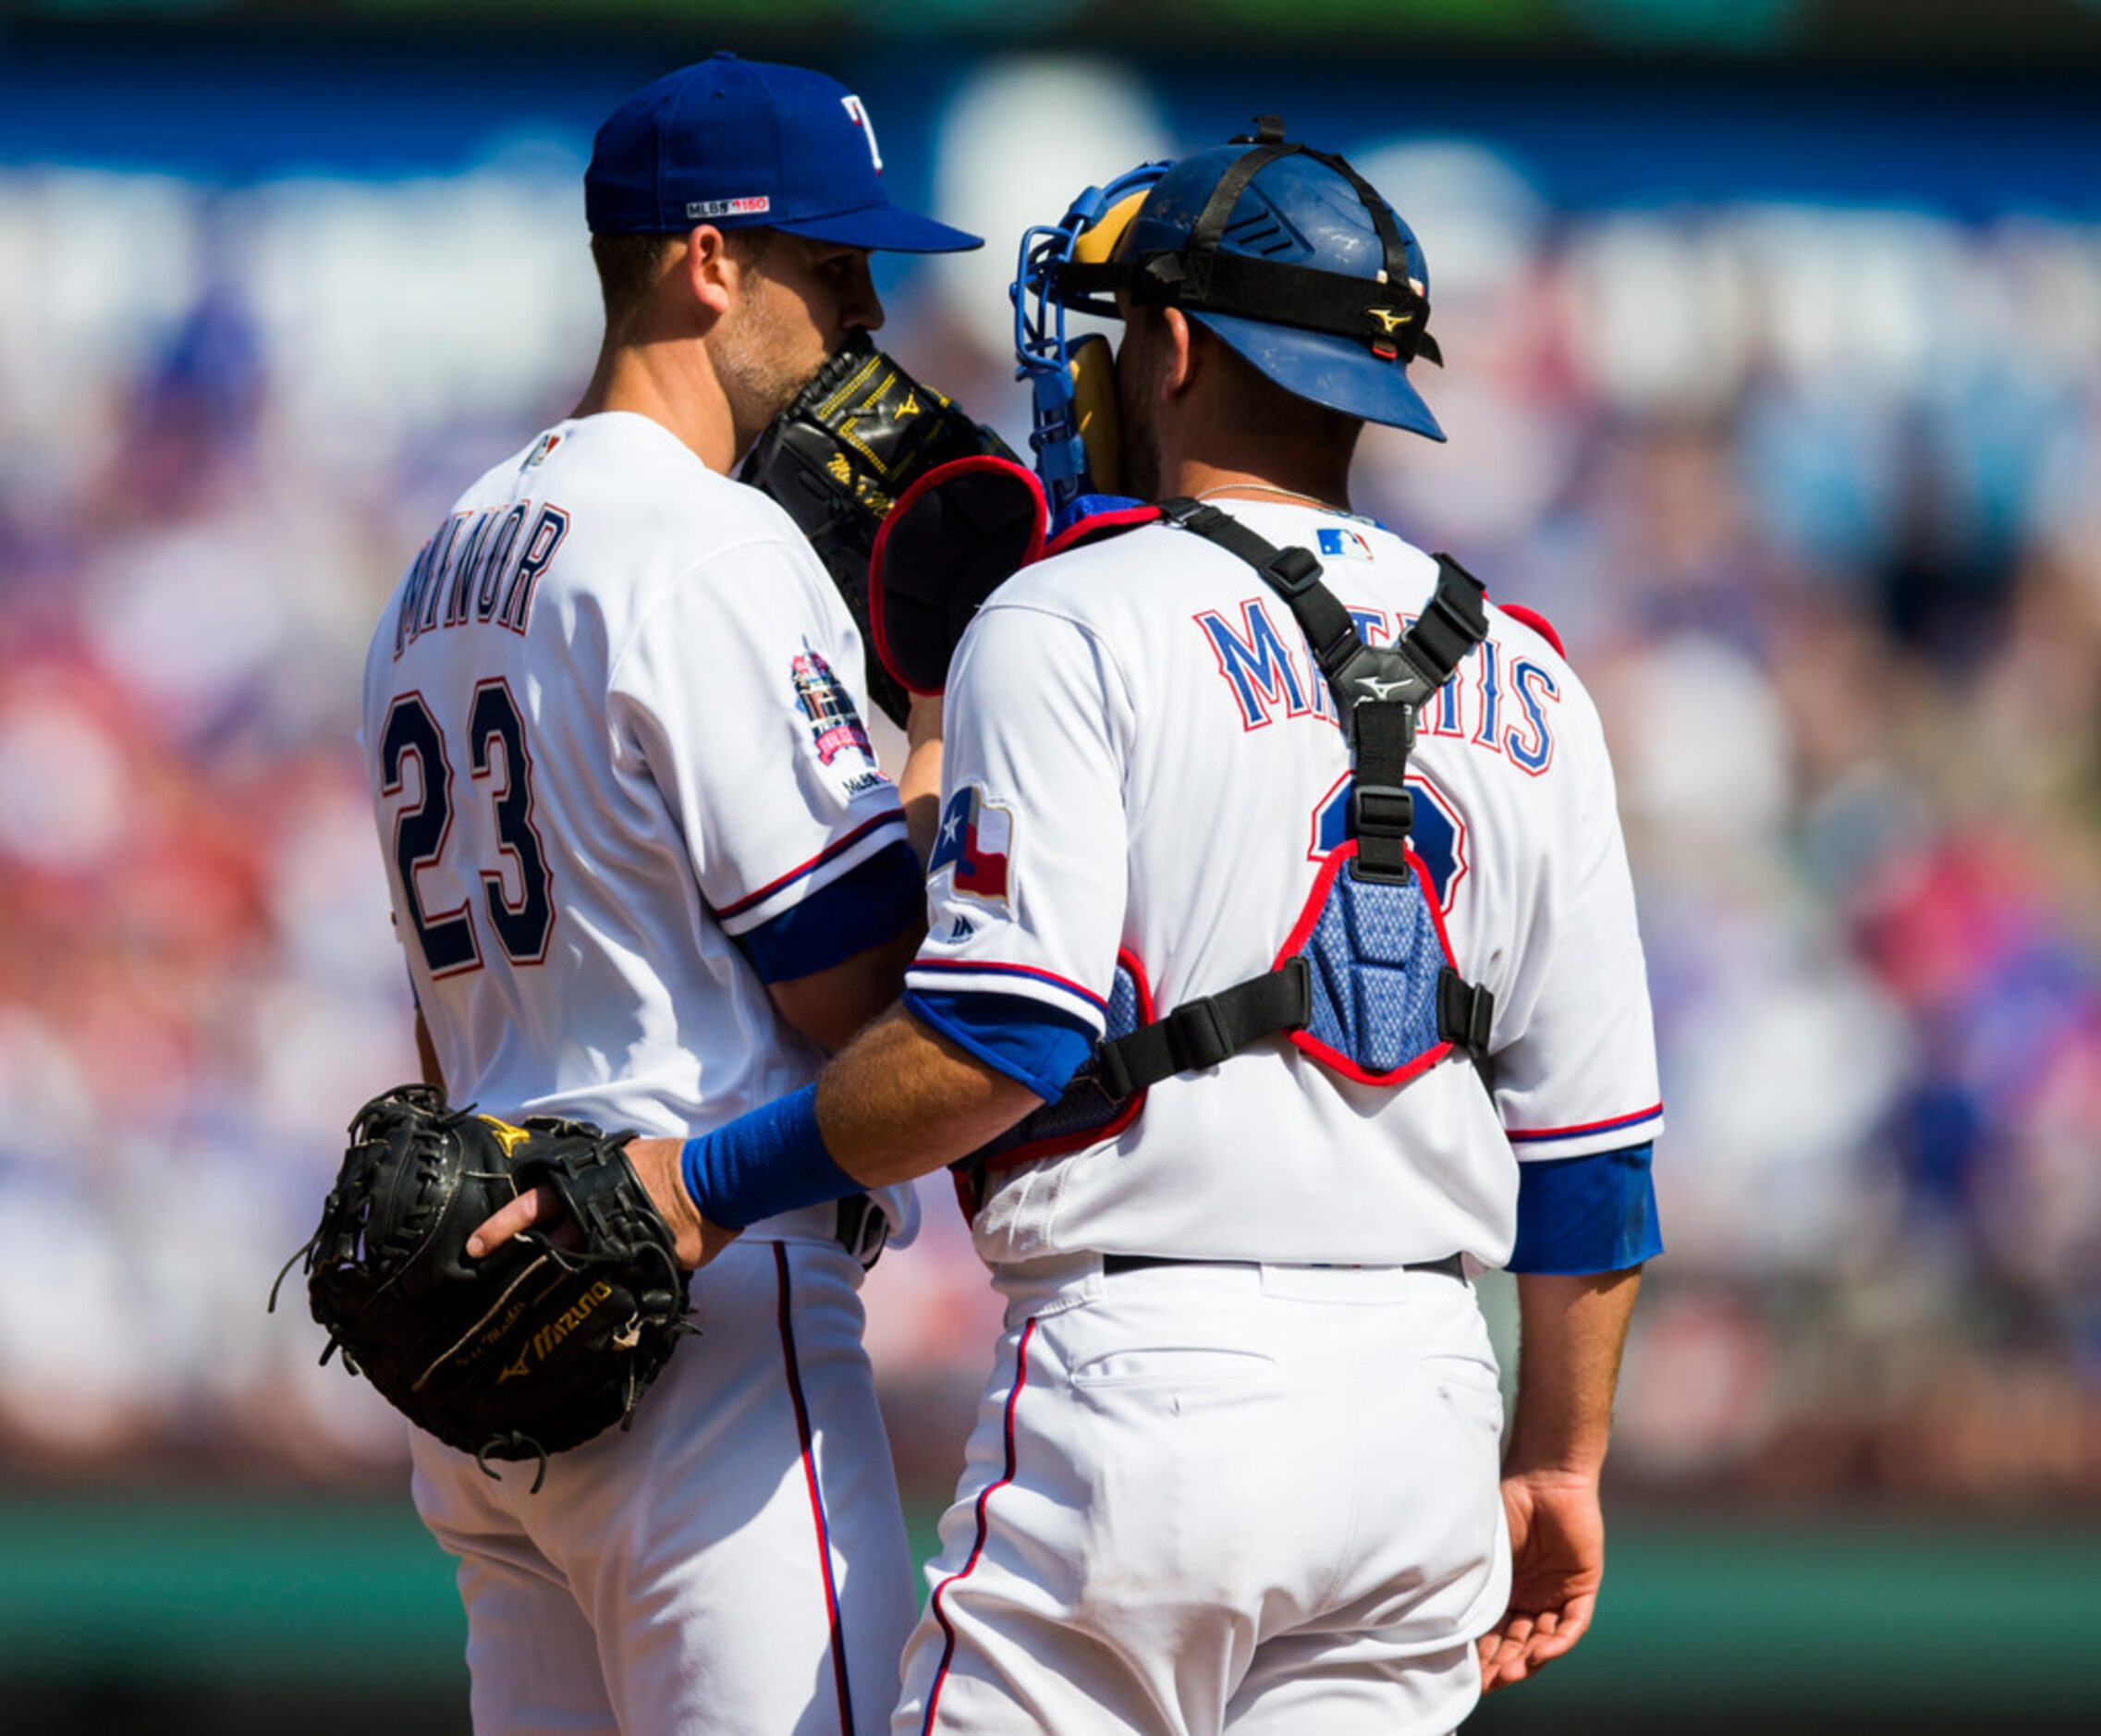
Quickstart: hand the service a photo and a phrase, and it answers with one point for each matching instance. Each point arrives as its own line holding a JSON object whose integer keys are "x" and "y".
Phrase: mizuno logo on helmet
{"x": 1388, "y": 319}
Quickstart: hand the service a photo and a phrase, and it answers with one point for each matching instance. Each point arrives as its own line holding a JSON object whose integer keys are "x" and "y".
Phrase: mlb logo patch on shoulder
{"x": 976, "y": 841}
{"x": 1341, "y": 543}
{"x": 546, "y": 444}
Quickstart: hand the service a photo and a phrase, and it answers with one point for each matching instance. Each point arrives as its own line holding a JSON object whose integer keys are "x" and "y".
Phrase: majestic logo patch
{"x": 976, "y": 841}
{"x": 834, "y": 726}
{"x": 857, "y": 113}
{"x": 1343, "y": 544}
{"x": 755, "y": 206}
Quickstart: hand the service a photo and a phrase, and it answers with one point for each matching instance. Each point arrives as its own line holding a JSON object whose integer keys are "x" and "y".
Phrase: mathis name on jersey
{"x": 481, "y": 570}
{"x": 1501, "y": 703}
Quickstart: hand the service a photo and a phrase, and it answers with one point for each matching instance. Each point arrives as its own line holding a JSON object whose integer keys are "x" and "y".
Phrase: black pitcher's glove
{"x": 838, "y": 458}
{"x": 535, "y": 1347}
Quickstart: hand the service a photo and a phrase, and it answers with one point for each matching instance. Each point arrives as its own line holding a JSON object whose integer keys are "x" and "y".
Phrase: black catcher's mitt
{"x": 532, "y": 1348}
{"x": 838, "y": 458}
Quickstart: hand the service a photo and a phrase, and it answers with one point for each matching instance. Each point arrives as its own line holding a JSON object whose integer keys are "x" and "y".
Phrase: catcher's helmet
{"x": 1294, "y": 259}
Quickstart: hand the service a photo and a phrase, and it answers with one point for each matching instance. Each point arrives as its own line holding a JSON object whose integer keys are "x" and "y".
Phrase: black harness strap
{"x": 1377, "y": 690}
{"x": 1201, "y": 1032}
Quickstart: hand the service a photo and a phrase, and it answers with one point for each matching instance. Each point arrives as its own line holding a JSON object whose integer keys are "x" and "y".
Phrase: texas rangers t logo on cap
{"x": 857, "y": 112}
{"x": 975, "y": 839}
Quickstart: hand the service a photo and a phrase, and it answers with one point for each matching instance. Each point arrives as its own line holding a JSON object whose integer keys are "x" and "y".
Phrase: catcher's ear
{"x": 953, "y": 538}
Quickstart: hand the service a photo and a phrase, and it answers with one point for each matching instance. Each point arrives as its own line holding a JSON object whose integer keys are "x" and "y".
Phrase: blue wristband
{"x": 771, "y": 1160}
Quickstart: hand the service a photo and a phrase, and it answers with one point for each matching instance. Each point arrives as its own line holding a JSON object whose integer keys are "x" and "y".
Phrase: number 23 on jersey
{"x": 497, "y": 757}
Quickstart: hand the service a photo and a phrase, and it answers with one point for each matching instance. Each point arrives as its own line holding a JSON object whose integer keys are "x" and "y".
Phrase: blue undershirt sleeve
{"x": 869, "y": 904}
{"x": 1580, "y": 1215}
{"x": 1032, "y": 1043}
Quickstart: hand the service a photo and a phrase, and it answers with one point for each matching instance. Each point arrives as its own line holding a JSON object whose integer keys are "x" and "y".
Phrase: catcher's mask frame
{"x": 1072, "y": 381}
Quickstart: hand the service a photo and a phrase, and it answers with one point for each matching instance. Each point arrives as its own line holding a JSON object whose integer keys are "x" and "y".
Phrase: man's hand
{"x": 1557, "y": 1566}
{"x": 657, "y": 1166}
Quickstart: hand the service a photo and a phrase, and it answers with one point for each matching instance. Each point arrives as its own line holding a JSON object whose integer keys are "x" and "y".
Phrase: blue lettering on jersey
{"x": 1535, "y": 689}
{"x": 1488, "y": 658}
{"x": 1263, "y": 674}
{"x": 1260, "y": 668}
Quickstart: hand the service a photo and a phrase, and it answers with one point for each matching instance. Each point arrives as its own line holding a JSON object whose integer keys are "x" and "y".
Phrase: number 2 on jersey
{"x": 449, "y": 938}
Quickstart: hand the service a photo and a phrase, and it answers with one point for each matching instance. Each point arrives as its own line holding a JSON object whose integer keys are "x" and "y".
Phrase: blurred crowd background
{"x": 1774, "y": 379}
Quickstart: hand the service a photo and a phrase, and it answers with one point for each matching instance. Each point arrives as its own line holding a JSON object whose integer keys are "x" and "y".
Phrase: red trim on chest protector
{"x": 1309, "y": 919}
{"x": 1056, "y": 1144}
{"x": 1098, "y": 524}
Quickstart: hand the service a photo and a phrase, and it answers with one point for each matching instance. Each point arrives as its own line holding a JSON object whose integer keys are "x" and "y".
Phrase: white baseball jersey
{"x": 612, "y": 714}
{"x": 1141, "y": 756}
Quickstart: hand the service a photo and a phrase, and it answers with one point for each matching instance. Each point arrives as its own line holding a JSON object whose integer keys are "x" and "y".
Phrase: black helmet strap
{"x": 1391, "y": 315}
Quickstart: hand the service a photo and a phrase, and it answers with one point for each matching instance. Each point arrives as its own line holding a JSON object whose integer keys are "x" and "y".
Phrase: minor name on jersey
{"x": 481, "y": 570}
{"x": 1502, "y": 704}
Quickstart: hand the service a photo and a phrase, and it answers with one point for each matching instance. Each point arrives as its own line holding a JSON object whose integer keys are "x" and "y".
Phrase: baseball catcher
{"x": 837, "y": 458}
{"x": 534, "y": 1348}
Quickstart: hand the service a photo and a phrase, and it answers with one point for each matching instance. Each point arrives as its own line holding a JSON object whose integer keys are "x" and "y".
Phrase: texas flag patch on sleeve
{"x": 976, "y": 840}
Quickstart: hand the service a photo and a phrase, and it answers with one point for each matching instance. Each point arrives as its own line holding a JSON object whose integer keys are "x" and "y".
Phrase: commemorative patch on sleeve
{"x": 836, "y": 733}
{"x": 976, "y": 841}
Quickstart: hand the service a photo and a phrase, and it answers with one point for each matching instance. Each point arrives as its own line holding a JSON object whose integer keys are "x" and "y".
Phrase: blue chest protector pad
{"x": 1365, "y": 982}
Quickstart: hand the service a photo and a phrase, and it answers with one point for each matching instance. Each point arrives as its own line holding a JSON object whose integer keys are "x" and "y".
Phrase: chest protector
{"x": 1365, "y": 982}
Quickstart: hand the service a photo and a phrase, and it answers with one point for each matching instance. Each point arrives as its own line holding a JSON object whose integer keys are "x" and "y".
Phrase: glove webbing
{"x": 1377, "y": 691}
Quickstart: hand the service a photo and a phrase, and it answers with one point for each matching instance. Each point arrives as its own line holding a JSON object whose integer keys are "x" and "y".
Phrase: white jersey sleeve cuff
{"x": 785, "y": 891}
{"x": 1030, "y": 982}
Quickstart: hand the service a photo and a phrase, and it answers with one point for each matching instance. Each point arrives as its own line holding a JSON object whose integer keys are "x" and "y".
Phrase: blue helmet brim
{"x": 1326, "y": 369}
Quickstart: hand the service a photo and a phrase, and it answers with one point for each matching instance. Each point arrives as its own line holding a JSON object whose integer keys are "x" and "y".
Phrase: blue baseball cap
{"x": 742, "y": 145}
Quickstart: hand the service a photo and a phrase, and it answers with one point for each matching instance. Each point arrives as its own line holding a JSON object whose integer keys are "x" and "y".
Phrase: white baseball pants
{"x": 1207, "y": 1498}
{"x": 734, "y": 1566}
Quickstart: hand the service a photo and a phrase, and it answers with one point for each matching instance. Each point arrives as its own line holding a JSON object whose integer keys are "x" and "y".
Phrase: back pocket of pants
{"x": 1185, "y": 1365}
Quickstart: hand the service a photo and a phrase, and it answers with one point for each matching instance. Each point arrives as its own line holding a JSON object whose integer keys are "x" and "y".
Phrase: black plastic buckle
{"x": 1466, "y": 1011}
{"x": 1268, "y": 129}
{"x": 1381, "y": 811}
{"x": 1110, "y": 1074}
{"x": 1299, "y": 982}
{"x": 1196, "y": 1037}
{"x": 1191, "y": 515}
{"x": 1294, "y": 571}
